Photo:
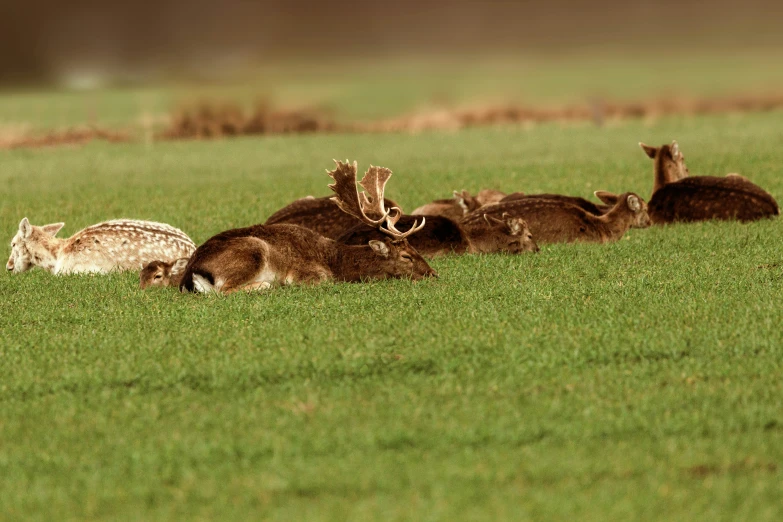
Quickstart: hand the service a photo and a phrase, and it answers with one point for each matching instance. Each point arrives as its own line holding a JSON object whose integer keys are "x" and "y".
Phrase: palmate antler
{"x": 359, "y": 204}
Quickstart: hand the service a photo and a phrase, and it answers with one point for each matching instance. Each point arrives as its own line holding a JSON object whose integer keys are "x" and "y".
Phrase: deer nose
{"x": 434, "y": 274}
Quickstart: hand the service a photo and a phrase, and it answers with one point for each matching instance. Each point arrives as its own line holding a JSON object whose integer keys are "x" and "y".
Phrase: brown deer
{"x": 442, "y": 235}
{"x": 122, "y": 244}
{"x": 259, "y": 256}
{"x": 163, "y": 273}
{"x": 321, "y": 215}
{"x": 679, "y": 197}
{"x": 553, "y": 221}
{"x": 584, "y": 204}
{"x": 463, "y": 202}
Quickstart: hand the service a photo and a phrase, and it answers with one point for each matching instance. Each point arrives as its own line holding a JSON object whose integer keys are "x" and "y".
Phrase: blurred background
{"x": 364, "y": 60}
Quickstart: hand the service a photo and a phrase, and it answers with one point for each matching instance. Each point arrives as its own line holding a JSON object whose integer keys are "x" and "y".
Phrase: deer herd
{"x": 359, "y": 235}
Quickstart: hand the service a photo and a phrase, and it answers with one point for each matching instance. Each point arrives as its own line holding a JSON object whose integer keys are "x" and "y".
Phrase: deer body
{"x": 679, "y": 197}
{"x": 442, "y": 235}
{"x": 553, "y": 221}
{"x": 259, "y": 256}
{"x": 319, "y": 214}
{"x": 122, "y": 244}
{"x": 582, "y": 203}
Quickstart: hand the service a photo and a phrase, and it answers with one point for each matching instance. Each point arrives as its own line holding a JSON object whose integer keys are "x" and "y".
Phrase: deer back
{"x": 446, "y": 208}
{"x": 321, "y": 215}
{"x": 440, "y": 235}
{"x": 124, "y": 244}
{"x": 549, "y": 221}
{"x": 701, "y": 198}
{"x": 584, "y": 204}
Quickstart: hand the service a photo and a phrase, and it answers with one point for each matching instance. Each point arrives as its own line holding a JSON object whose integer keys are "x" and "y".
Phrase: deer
{"x": 442, "y": 235}
{"x": 321, "y": 215}
{"x": 121, "y": 244}
{"x": 553, "y": 221}
{"x": 163, "y": 273}
{"x": 584, "y": 204}
{"x": 679, "y": 197}
{"x": 463, "y": 202}
{"x": 256, "y": 257}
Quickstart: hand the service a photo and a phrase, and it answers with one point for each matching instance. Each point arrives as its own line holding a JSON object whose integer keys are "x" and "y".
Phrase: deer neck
{"x": 351, "y": 263}
{"x": 48, "y": 253}
{"x": 616, "y": 222}
{"x": 662, "y": 175}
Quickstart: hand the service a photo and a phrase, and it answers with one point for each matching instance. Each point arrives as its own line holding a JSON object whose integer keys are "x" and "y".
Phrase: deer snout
{"x": 433, "y": 273}
{"x": 10, "y": 265}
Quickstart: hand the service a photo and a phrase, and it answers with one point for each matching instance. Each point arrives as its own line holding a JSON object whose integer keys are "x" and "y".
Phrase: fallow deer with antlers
{"x": 677, "y": 196}
{"x": 262, "y": 255}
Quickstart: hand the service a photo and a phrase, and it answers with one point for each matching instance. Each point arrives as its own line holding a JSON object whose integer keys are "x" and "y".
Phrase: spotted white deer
{"x": 122, "y": 244}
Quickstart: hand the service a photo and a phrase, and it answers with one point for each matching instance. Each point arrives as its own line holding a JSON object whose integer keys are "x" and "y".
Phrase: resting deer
{"x": 259, "y": 256}
{"x": 553, "y": 221}
{"x": 122, "y": 244}
{"x": 163, "y": 273}
{"x": 442, "y": 235}
{"x": 679, "y": 197}
{"x": 463, "y": 202}
{"x": 582, "y": 203}
{"x": 321, "y": 215}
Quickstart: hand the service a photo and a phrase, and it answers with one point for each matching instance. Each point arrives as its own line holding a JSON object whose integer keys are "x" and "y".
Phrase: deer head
{"x": 628, "y": 202}
{"x": 161, "y": 273}
{"x": 31, "y": 246}
{"x": 669, "y": 163}
{"x": 506, "y": 234}
{"x": 395, "y": 257}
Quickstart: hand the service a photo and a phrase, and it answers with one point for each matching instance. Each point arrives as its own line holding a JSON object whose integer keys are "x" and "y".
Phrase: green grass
{"x": 640, "y": 380}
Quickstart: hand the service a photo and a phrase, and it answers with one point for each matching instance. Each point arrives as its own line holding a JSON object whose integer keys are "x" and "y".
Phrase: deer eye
{"x": 158, "y": 276}
{"x": 406, "y": 256}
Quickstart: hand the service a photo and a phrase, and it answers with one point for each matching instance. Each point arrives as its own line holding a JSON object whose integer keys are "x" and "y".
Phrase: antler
{"x": 357, "y": 204}
{"x": 348, "y": 197}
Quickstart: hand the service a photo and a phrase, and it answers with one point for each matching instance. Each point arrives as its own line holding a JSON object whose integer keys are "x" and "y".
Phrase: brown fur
{"x": 258, "y": 256}
{"x": 679, "y": 197}
{"x": 554, "y": 221}
{"x": 441, "y": 235}
{"x": 321, "y": 215}
{"x": 463, "y": 202}
{"x": 582, "y": 203}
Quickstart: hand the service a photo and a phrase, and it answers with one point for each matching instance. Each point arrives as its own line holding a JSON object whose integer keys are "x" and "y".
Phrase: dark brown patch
{"x": 703, "y": 198}
{"x": 321, "y": 215}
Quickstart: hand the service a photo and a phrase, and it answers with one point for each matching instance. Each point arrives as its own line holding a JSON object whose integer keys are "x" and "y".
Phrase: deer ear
{"x": 379, "y": 247}
{"x": 606, "y": 197}
{"x": 634, "y": 204}
{"x": 675, "y": 149}
{"x": 25, "y": 228}
{"x": 179, "y": 265}
{"x": 650, "y": 151}
{"x": 515, "y": 225}
{"x": 53, "y": 228}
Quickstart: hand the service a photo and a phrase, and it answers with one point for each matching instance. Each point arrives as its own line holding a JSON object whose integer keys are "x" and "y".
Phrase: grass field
{"x": 639, "y": 380}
